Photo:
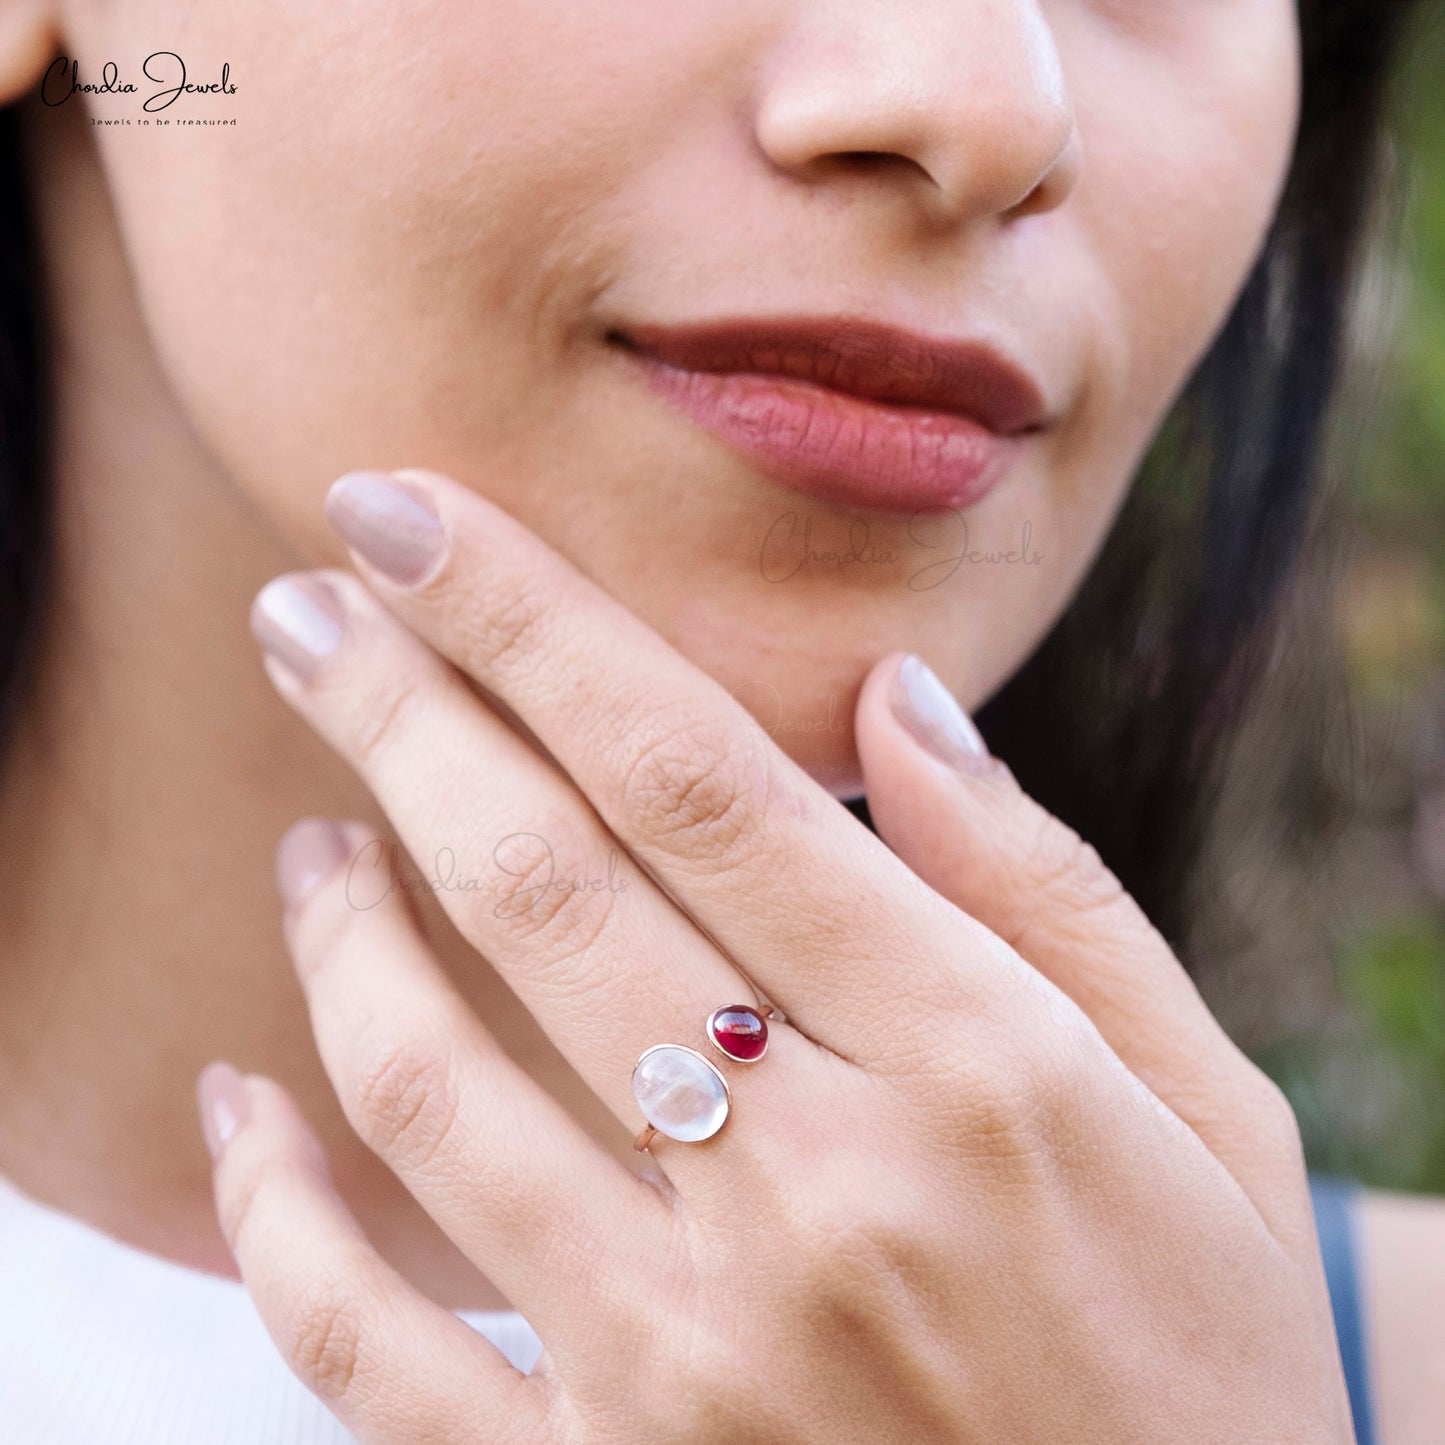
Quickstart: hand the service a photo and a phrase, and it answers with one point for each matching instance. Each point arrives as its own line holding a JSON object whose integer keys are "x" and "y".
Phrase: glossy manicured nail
{"x": 223, "y": 1104}
{"x": 309, "y": 852}
{"x": 930, "y": 713}
{"x": 390, "y": 521}
{"x": 298, "y": 620}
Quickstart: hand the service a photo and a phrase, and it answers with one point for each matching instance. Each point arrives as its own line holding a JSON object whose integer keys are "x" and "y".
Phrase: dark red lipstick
{"x": 854, "y": 412}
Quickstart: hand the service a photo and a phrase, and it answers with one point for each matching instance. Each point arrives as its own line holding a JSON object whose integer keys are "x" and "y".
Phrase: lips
{"x": 857, "y": 413}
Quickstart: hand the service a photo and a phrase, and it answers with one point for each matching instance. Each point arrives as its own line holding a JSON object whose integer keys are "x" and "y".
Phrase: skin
{"x": 345, "y": 281}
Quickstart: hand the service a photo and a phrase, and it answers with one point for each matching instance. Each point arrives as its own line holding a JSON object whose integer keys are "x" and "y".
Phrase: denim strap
{"x": 1334, "y": 1198}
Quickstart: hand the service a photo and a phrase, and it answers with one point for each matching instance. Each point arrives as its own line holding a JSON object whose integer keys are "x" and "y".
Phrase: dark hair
{"x": 1119, "y": 720}
{"x": 25, "y": 431}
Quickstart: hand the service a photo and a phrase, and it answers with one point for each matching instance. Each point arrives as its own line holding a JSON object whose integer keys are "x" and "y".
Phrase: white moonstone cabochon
{"x": 680, "y": 1093}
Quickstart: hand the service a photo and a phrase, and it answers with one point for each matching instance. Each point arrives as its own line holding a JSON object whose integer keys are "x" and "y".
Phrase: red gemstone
{"x": 740, "y": 1032}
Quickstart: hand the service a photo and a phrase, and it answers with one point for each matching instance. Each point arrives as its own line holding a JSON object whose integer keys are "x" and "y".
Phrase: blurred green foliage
{"x": 1395, "y": 977}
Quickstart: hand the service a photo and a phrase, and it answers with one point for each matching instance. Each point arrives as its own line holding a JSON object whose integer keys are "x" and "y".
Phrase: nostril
{"x": 872, "y": 160}
{"x": 881, "y": 163}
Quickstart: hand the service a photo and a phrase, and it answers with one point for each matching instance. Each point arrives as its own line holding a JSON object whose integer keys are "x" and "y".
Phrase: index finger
{"x": 759, "y": 854}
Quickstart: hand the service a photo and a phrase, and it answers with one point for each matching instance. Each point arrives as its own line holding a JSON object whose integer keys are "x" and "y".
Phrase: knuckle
{"x": 498, "y": 631}
{"x": 716, "y": 1414}
{"x": 865, "y": 1259}
{"x": 387, "y": 717}
{"x": 568, "y": 904}
{"x": 1069, "y": 870}
{"x": 699, "y": 787}
{"x": 404, "y": 1098}
{"x": 1003, "y": 1110}
{"x": 240, "y": 1205}
{"x": 1276, "y": 1110}
{"x": 322, "y": 1332}
{"x": 868, "y": 1279}
{"x": 321, "y": 937}
{"x": 562, "y": 927}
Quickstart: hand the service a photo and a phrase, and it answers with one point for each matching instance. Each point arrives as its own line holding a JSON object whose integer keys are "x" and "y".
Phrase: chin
{"x": 815, "y": 729}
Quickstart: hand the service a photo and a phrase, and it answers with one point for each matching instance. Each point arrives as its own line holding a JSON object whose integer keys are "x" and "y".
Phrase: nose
{"x": 961, "y": 105}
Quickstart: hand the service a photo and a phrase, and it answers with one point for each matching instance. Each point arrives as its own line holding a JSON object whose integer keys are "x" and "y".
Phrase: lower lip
{"x": 842, "y": 448}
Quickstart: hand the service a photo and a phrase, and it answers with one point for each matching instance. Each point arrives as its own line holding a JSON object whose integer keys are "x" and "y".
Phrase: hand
{"x": 1000, "y": 1176}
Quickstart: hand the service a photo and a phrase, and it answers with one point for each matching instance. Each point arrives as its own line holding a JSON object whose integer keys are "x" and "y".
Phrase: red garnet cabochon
{"x": 740, "y": 1032}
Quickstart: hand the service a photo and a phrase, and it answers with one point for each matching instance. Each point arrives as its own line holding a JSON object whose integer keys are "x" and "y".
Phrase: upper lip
{"x": 871, "y": 360}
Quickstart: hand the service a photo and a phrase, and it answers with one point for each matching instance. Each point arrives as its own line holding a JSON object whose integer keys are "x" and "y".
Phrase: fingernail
{"x": 298, "y": 620}
{"x": 930, "y": 713}
{"x": 391, "y": 522}
{"x": 223, "y": 1103}
{"x": 309, "y": 852}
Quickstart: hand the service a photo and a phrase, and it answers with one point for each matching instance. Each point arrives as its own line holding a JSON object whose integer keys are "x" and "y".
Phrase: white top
{"x": 104, "y": 1344}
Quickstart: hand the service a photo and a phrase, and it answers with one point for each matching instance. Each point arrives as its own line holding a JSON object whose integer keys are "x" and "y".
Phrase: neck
{"x": 153, "y": 772}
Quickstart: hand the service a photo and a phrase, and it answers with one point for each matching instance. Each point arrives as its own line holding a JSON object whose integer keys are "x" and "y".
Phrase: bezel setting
{"x": 715, "y": 1035}
{"x": 688, "y": 1136}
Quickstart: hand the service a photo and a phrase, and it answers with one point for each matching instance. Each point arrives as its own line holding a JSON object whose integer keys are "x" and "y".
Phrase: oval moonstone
{"x": 680, "y": 1093}
{"x": 740, "y": 1032}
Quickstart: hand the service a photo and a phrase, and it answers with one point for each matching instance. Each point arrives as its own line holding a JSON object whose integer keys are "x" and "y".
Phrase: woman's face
{"x": 431, "y": 227}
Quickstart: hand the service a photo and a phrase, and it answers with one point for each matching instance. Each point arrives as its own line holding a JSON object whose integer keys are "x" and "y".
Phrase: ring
{"x": 684, "y": 1095}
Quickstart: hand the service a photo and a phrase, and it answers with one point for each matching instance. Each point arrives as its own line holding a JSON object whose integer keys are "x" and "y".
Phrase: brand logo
{"x": 163, "y": 70}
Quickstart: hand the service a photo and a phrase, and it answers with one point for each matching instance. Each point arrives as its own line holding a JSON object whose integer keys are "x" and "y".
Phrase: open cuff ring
{"x": 684, "y": 1095}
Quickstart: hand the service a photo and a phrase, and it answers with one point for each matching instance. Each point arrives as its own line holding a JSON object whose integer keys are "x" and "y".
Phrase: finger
{"x": 521, "y": 1188}
{"x": 391, "y": 1364}
{"x": 607, "y": 972}
{"x": 960, "y": 820}
{"x": 761, "y": 856}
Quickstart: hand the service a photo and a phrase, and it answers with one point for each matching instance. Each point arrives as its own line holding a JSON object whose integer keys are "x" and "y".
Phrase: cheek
{"x": 1187, "y": 131}
{"x": 388, "y": 227}
{"x": 1188, "y": 122}
{"x": 1191, "y": 144}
